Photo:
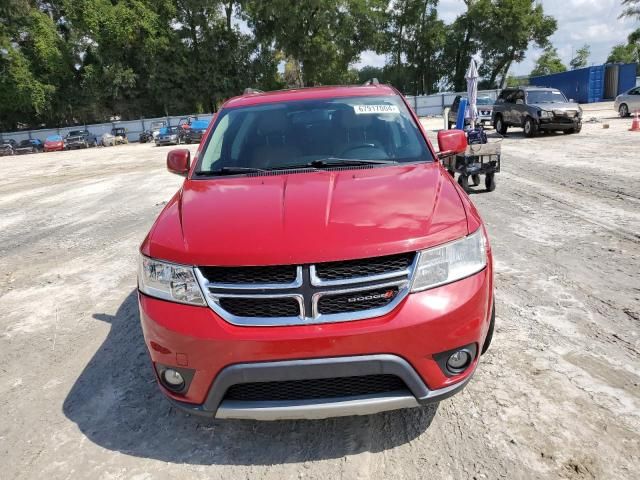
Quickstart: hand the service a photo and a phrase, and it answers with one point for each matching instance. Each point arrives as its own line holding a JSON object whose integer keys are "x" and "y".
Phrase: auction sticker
{"x": 375, "y": 109}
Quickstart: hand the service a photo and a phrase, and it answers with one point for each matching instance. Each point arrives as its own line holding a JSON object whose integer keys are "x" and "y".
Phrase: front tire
{"x": 475, "y": 180}
{"x": 500, "y": 126}
{"x": 623, "y": 110}
{"x": 530, "y": 128}
{"x": 575, "y": 129}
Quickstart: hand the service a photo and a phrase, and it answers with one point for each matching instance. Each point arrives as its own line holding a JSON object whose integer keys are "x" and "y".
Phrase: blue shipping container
{"x": 627, "y": 77}
{"x": 585, "y": 85}
{"x": 591, "y": 84}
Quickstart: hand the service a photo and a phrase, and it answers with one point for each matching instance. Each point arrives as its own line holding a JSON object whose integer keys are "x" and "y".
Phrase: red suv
{"x": 318, "y": 261}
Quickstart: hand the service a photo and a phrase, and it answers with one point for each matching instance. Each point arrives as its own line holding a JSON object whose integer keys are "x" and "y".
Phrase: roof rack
{"x": 371, "y": 81}
{"x": 251, "y": 91}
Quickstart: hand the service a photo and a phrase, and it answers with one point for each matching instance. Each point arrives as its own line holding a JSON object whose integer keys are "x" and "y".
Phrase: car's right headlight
{"x": 169, "y": 281}
{"x": 450, "y": 262}
{"x": 546, "y": 114}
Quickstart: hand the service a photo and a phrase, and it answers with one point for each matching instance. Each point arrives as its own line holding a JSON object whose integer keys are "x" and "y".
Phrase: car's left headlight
{"x": 450, "y": 262}
{"x": 546, "y": 114}
{"x": 169, "y": 281}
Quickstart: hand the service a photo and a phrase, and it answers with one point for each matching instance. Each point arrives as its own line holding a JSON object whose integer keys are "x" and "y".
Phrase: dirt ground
{"x": 557, "y": 396}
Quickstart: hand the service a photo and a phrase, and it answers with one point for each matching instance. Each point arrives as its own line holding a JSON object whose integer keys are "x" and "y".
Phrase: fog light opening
{"x": 459, "y": 361}
{"x": 172, "y": 379}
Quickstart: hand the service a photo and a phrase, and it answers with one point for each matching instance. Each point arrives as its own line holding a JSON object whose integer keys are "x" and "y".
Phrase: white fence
{"x": 427, "y": 105}
{"x": 134, "y": 128}
{"x": 424, "y": 105}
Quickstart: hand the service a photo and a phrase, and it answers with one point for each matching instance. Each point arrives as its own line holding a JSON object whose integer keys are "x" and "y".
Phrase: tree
{"x": 548, "y": 63}
{"x": 415, "y": 37}
{"x": 632, "y": 9}
{"x": 581, "y": 58}
{"x": 325, "y": 36}
{"x": 622, "y": 53}
{"x": 505, "y": 29}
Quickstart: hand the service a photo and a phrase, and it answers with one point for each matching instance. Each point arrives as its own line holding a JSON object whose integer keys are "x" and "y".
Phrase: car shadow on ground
{"x": 115, "y": 402}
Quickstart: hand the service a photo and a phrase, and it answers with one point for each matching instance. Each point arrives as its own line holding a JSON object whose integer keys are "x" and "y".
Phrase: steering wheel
{"x": 355, "y": 147}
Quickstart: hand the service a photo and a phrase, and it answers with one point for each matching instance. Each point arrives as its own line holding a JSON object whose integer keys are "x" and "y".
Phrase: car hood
{"x": 308, "y": 217}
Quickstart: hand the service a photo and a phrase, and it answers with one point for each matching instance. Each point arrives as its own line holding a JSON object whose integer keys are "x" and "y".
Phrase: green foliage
{"x": 632, "y": 9}
{"x": 66, "y": 62}
{"x": 548, "y": 63}
{"x": 324, "y": 36}
{"x": 622, "y": 53}
{"x": 581, "y": 58}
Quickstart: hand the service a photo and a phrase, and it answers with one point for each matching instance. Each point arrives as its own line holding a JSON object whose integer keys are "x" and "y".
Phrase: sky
{"x": 593, "y": 22}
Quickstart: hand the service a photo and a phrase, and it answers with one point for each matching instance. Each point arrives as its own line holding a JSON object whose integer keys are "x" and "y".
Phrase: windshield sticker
{"x": 375, "y": 109}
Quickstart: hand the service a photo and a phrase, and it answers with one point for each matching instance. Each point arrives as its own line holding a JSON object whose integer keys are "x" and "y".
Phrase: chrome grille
{"x": 307, "y": 294}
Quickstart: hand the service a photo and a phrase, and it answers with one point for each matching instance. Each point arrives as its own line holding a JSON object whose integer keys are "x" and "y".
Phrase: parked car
{"x": 628, "y": 103}
{"x": 146, "y": 136}
{"x": 536, "y": 109}
{"x": 8, "y": 147}
{"x": 32, "y": 145}
{"x": 484, "y": 106}
{"x": 80, "y": 139}
{"x": 168, "y": 136}
{"x": 194, "y": 133}
{"x": 107, "y": 140}
{"x": 185, "y": 122}
{"x": 156, "y": 127}
{"x": 53, "y": 143}
{"x": 120, "y": 135}
{"x": 317, "y": 261}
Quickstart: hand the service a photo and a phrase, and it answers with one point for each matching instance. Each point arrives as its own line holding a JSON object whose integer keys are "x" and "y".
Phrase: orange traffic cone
{"x": 635, "y": 126}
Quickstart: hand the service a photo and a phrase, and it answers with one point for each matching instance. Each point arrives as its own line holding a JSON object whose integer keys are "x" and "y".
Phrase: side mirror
{"x": 451, "y": 142}
{"x": 179, "y": 161}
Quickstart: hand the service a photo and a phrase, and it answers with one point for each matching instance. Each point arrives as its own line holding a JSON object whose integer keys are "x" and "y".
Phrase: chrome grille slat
{"x": 308, "y": 290}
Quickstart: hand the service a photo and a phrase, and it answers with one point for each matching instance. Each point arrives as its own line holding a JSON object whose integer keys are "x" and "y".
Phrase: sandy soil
{"x": 557, "y": 396}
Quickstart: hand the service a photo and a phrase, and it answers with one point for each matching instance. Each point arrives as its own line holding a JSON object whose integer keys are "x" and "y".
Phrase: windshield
{"x": 75, "y": 133}
{"x": 25, "y": 143}
{"x": 298, "y": 133}
{"x": 54, "y": 138}
{"x": 168, "y": 130}
{"x": 545, "y": 96}
{"x": 485, "y": 101}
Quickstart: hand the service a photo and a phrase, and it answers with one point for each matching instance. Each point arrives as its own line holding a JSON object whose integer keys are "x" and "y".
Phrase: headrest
{"x": 272, "y": 122}
{"x": 349, "y": 119}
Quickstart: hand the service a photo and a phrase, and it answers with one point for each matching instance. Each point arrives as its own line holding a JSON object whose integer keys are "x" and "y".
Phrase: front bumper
{"x": 403, "y": 342}
{"x": 559, "y": 124}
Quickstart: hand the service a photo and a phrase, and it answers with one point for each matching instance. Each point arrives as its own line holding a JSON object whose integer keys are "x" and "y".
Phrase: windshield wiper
{"x": 334, "y": 162}
{"x": 230, "y": 171}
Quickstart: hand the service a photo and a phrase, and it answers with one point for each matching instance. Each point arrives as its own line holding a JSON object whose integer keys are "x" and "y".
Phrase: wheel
{"x": 489, "y": 337}
{"x": 463, "y": 181}
{"x": 575, "y": 129}
{"x": 95, "y": 143}
{"x": 623, "y": 110}
{"x": 500, "y": 126}
{"x": 530, "y": 127}
{"x": 475, "y": 180}
{"x": 490, "y": 182}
